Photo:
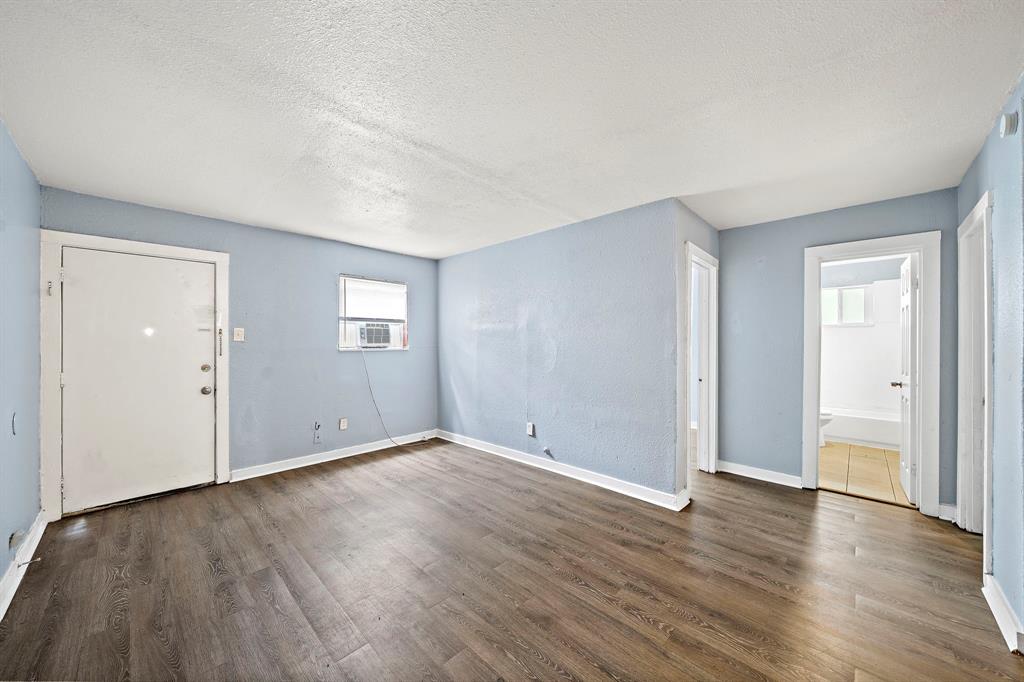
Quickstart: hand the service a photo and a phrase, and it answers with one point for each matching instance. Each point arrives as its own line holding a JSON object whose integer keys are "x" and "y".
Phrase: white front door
{"x": 138, "y": 373}
{"x": 907, "y": 379}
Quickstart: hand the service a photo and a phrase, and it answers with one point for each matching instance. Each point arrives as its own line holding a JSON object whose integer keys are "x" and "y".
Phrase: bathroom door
{"x": 907, "y": 382}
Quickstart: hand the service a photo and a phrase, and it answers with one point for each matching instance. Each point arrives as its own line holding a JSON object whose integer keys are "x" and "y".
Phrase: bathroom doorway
{"x": 866, "y": 335}
{"x": 871, "y": 369}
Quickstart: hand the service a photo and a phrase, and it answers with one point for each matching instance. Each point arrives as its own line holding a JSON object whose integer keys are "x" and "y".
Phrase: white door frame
{"x": 971, "y": 388}
{"x": 693, "y": 256}
{"x": 50, "y": 339}
{"x": 927, "y": 246}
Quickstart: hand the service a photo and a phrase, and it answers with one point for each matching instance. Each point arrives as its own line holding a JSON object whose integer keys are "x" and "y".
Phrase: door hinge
{"x": 60, "y": 274}
{"x": 62, "y": 487}
{"x": 62, "y": 379}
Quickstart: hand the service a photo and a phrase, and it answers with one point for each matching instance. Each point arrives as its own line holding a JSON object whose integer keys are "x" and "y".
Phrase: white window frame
{"x": 869, "y": 308}
{"x": 341, "y": 302}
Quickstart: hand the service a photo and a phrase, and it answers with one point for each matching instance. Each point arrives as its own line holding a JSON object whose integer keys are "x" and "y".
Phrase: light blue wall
{"x": 761, "y": 279}
{"x": 1000, "y": 167}
{"x": 854, "y": 274}
{"x": 284, "y": 292}
{"x": 575, "y": 330}
{"x": 19, "y": 344}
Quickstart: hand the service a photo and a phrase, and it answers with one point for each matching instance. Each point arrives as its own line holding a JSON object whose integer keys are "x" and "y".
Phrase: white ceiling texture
{"x": 432, "y": 128}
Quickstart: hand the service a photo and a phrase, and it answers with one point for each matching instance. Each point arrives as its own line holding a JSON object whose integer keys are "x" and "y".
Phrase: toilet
{"x": 824, "y": 419}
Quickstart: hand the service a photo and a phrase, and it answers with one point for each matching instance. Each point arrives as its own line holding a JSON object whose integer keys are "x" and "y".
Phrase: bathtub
{"x": 876, "y": 429}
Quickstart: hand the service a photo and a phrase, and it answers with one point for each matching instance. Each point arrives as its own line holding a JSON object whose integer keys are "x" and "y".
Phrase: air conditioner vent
{"x": 375, "y": 335}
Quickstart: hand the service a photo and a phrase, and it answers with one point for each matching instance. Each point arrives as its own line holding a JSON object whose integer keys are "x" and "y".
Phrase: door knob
{"x": 206, "y": 390}
{"x": 896, "y": 384}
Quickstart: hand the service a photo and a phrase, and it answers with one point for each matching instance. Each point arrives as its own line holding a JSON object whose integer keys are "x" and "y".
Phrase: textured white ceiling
{"x": 435, "y": 128}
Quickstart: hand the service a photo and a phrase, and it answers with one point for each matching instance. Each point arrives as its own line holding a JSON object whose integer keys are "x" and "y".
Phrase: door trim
{"x": 51, "y": 243}
{"x": 927, "y": 246}
{"x": 975, "y": 270}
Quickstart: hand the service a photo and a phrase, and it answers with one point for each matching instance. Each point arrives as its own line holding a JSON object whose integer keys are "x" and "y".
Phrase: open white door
{"x": 907, "y": 382}
{"x": 702, "y": 308}
{"x": 701, "y": 359}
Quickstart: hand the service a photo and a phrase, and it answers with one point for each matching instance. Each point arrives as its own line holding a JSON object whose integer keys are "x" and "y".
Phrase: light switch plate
{"x": 343, "y": 423}
{"x": 531, "y": 429}
{"x": 238, "y": 334}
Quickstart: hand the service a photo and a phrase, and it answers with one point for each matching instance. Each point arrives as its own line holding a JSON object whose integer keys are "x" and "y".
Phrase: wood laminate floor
{"x": 440, "y": 562}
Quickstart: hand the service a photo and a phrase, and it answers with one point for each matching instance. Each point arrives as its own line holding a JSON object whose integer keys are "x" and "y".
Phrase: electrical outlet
{"x": 531, "y": 429}
{"x": 316, "y": 432}
{"x": 239, "y": 334}
{"x": 343, "y": 423}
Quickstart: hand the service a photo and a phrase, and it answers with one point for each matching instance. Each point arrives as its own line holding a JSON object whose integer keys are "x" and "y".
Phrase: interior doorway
{"x": 871, "y": 369}
{"x": 699, "y": 413}
{"x": 868, "y": 332}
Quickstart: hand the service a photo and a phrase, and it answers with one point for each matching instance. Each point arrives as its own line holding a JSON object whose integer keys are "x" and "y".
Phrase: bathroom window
{"x": 372, "y": 315}
{"x": 846, "y": 306}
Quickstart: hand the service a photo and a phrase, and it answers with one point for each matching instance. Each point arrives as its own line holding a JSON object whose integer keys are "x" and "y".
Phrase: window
{"x": 830, "y": 306}
{"x": 845, "y": 306}
{"x": 372, "y": 314}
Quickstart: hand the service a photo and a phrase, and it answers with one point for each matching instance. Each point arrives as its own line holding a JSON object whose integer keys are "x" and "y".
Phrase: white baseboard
{"x": 329, "y": 455}
{"x": 14, "y": 573}
{"x": 1009, "y": 624}
{"x": 760, "y": 474}
{"x": 947, "y": 512}
{"x": 675, "y": 502}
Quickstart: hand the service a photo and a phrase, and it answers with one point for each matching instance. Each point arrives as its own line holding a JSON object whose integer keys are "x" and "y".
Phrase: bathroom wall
{"x": 857, "y": 364}
{"x": 850, "y": 274}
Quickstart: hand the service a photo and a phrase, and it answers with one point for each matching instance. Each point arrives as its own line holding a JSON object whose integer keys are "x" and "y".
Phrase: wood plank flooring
{"x": 439, "y": 562}
{"x": 873, "y": 473}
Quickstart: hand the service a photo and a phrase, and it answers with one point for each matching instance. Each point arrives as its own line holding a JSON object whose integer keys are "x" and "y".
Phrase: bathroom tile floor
{"x": 862, "y": 471}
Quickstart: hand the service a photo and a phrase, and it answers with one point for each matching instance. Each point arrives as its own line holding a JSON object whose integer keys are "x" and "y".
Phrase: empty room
{"x": 511, "y": 340}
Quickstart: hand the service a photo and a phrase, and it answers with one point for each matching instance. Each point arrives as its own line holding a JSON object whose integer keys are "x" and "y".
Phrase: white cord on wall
{"x": 369, "y": 385}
